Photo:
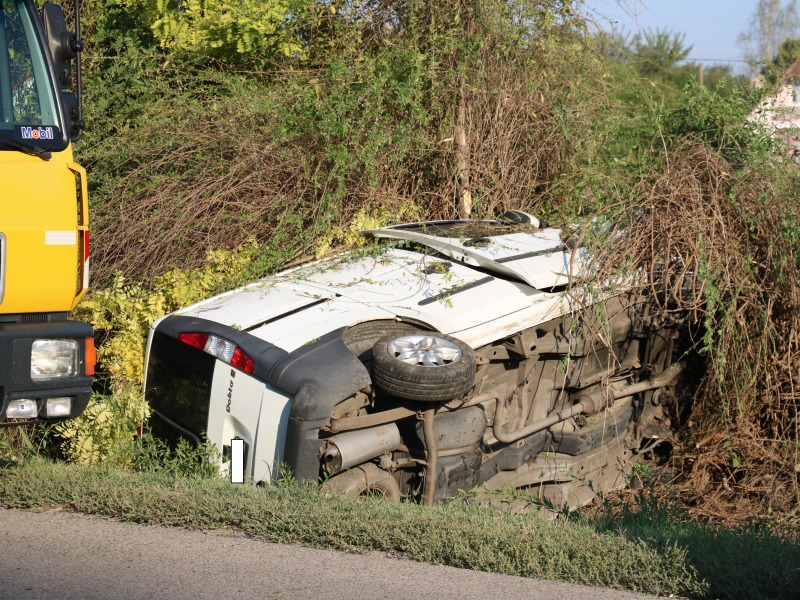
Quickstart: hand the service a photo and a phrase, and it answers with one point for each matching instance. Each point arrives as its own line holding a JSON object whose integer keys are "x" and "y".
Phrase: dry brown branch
{"x": 704, "y": 247}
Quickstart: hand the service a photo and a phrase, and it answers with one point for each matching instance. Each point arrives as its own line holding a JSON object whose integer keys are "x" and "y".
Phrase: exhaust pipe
{"x": 352, "y": 448}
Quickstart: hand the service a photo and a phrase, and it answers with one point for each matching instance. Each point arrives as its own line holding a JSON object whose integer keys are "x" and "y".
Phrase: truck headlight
{"x": 54, "y": 358}
{"x": 22, "y": 409}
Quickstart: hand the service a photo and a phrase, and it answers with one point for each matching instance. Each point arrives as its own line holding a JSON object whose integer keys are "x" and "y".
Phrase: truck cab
{"x": 46, "y": 360}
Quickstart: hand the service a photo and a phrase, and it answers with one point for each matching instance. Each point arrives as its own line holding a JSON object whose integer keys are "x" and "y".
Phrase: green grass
{"x": 460, "y": 536}
{"x": 643, "y": 548}
{"x": 750, "y": 561}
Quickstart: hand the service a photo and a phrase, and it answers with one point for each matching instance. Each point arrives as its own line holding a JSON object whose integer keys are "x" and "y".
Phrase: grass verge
{"x": 755, "y": 560}
{"x": 635, "y": 552}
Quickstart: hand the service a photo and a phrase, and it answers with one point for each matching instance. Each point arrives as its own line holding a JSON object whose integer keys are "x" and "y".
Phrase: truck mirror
{"x": 64, "y": 45}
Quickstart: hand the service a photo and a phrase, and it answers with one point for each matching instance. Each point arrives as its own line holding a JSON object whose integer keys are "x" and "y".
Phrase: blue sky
{"x": 711, "y": 26}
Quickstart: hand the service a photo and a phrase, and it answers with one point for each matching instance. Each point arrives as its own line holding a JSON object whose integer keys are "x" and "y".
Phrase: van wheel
{"x": 423, "y": 366}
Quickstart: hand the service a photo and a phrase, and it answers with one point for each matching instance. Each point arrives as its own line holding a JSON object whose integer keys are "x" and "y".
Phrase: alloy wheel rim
{"x": 424, "y": 350}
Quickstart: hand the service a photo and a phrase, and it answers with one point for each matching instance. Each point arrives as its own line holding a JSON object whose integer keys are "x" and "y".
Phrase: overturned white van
{"x": 449, "y": 356}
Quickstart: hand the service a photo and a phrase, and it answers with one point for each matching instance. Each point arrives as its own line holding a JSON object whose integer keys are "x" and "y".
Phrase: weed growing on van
{"x": 148, "y": 454}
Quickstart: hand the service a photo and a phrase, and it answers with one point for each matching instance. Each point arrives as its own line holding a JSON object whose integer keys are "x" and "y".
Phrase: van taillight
{"x": 197, "y": 340}
{"x": 220, "y": 348}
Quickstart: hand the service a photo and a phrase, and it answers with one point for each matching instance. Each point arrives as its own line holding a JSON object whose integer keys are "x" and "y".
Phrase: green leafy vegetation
{"x": 644, "y": 545}
{"x": 788, "y": 53}
{"x": 729, "y": 559}
{"x": 223, "y": 29}
{"x": 458, "y": 536}
{"x": 420, "y": 110}
{"x": 223, "y": 149}
{"x": 195, "y": 150}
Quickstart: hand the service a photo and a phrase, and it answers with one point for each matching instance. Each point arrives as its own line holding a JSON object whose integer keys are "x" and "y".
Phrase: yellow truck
{"x": 46, "y": 360}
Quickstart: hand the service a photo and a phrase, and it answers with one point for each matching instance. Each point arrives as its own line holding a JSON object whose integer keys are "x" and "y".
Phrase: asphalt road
{"x": 55, "y": 555}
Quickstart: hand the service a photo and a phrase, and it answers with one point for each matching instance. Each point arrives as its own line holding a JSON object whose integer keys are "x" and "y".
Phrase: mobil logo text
{"x": 36, "y": 133}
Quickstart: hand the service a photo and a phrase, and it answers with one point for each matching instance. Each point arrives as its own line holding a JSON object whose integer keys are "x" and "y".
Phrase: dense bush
{"x": 461, "y": 108}
{"x": 720, "y": 242}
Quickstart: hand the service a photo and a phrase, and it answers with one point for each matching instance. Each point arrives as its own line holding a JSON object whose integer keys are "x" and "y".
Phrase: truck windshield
{"x": 28, "y": 108}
